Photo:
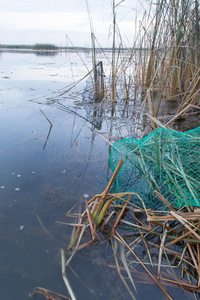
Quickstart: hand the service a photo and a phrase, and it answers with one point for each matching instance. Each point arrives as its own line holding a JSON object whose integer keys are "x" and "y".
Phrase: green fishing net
{"x": 165, "y": 161}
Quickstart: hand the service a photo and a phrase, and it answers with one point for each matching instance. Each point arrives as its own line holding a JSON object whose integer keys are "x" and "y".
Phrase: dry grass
{"x": 163, "y": 63}
{"x": 174, "y": 234}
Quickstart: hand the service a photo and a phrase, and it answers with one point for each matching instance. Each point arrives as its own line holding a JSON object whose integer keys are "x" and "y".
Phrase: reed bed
{"x": 163, "y": 62}
{"x": 171, "y": 239}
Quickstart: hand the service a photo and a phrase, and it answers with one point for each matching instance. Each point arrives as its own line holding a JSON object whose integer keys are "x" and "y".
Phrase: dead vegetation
{"x": 173, "y": 234}
{"x": 162, "y": 65}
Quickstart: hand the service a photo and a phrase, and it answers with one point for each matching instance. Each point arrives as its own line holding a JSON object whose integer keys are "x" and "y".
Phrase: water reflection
{"x": 58, "y": 166}
{"x": 31, "y": 51}
{"x": 45, "y": 53}
{"x": 48, "y": 134}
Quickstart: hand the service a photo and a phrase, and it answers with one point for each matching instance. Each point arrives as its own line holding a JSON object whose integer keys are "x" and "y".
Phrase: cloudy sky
{"x": 49, "y": 21}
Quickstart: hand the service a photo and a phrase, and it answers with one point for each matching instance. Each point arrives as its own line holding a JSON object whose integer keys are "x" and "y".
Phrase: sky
{"x": 50, "y": 21}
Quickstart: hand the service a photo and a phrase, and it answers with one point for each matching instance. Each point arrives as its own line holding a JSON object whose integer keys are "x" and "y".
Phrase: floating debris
{"x": 17, "y": 189}
{"x": 2, "y": 187}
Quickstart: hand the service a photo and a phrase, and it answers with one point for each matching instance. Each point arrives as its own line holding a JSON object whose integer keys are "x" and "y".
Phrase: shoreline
{"x": 59, "y": 49}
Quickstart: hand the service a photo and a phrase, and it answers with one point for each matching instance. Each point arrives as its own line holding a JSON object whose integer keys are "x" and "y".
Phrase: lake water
{"x": 44, "y": 173}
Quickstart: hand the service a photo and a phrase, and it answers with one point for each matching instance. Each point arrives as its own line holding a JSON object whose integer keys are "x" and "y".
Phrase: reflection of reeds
{"x": 113, "y": 54}
{"x": 97, "y": 67}
{"x": 51, "y": 125}
{"x": 49, "y": 295}
{"x": 45, "y": 47}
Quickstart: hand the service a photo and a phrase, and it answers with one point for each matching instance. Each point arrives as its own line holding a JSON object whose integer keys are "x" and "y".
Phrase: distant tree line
{"x": 32, "y": 47}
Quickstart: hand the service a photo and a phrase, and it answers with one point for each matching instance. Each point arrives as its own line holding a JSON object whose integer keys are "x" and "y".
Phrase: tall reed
{"x": 165, "y": 55}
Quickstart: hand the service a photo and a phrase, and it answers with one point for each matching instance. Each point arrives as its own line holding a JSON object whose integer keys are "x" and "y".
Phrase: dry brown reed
{"x": 164, "y": 59}
{"x": 174, "y": 234}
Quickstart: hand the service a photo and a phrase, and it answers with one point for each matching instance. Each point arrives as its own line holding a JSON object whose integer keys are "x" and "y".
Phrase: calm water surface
{"x": 43, "y": 174}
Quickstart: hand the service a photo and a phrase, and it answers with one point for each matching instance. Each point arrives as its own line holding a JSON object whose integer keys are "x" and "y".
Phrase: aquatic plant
{"x": 163, "y": 63}
{"x": 123, "y": 223}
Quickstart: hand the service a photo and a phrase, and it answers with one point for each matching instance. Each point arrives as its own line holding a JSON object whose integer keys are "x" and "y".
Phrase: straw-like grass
{"x": 116, "y": 210}
{"x": 163, "y": 63}
{"x": 173, "y": 234}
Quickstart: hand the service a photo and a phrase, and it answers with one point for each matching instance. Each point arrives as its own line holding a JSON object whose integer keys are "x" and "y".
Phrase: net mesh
{"x": 166, "y": 161}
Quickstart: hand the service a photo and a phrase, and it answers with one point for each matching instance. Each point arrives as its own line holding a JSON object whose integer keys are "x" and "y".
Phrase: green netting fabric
{"x": 166, "y": 161}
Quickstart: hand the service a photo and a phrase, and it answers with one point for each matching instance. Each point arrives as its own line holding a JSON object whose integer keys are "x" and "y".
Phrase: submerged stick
{"x": 66, "y": 281}
{"x": 119, "y": 272}
{"x": 47, "y": 293}
{"x": 43, "y": 227}
{"x": 184, "y": 285}
{"x": 119, "y": 237}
